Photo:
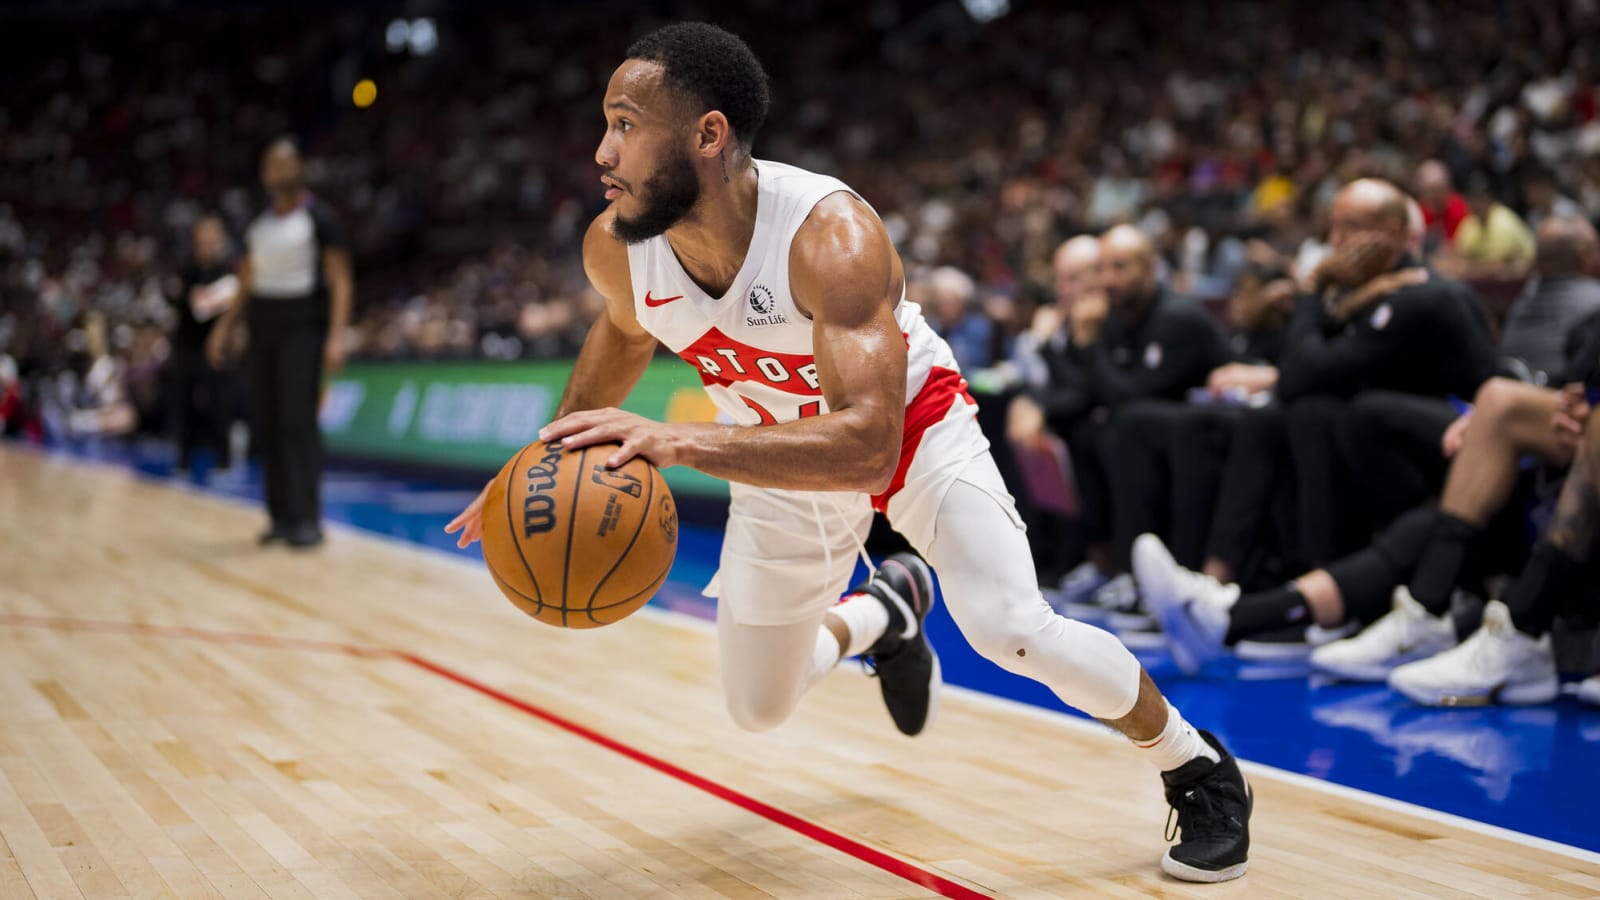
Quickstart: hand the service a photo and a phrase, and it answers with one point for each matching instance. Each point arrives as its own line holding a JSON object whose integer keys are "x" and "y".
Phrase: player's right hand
{"x": 470, "y": 521}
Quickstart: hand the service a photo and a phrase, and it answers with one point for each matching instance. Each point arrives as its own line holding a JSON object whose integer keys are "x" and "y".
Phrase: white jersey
{"x": 752, "y": 346}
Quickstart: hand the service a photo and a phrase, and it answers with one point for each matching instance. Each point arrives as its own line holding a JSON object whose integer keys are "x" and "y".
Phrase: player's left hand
{"x": 659, "y": 442}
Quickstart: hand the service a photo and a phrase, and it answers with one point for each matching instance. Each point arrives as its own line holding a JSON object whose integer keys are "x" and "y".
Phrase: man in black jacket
{"x": 1138, "y": 343}
{"x": 1169, "y": 456}
{"x": 1355, "y": 331}
{"x": 1393, "y": 440}
{"x": 1055, "y": 400}
{"x": 201, "y": 394}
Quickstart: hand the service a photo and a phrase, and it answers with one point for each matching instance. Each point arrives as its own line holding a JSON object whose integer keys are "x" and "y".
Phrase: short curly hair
{"x": 714, "y": 68}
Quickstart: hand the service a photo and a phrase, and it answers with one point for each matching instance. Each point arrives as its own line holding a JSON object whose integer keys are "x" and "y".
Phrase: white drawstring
{"x": 822, "y": 534}
{"x": 861, "y": 547}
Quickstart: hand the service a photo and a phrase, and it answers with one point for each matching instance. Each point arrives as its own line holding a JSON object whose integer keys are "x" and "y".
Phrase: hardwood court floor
{"x": 182, "y": 714}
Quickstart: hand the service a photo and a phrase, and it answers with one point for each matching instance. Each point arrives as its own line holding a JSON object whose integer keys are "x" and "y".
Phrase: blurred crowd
{"x": 466, "y": 183}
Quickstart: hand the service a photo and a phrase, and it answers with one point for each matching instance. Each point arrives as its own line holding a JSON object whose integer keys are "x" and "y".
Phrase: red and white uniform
{"x": 753, "y": 349}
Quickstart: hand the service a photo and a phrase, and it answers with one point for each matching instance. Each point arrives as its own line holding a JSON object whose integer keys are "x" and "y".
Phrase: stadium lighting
{"x": 424, "y": 37}
{"x": 986, "y": 11}
{"x": 398, "y": 35}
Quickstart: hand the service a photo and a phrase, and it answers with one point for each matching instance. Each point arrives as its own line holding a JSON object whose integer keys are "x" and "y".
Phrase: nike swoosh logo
{"x": 653, "y": 302}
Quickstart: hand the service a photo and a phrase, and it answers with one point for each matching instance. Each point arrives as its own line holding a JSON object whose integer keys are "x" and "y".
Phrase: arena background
{"x": 456, "y": 143}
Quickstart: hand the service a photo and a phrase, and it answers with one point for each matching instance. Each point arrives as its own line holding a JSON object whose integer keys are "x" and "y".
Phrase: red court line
{"x": 844, "y": 844}
{"x": 938, "y": 884}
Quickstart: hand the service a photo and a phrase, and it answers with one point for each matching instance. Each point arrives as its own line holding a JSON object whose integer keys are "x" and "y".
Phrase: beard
{"x": 667, "y": 197}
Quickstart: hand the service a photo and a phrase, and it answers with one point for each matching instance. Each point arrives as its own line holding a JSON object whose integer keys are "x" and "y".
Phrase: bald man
{"x": 1140, "y": 343}
{"x": 295, "y": 291}
{"x": 1418, "y": 336}
{"x": 1054, "y": 400}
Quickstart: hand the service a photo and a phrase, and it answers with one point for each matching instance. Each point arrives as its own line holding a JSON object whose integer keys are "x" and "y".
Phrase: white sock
{"x": 1176, "y": 744}
{"x": 865, "y": 617}
{"x": 824, "y": 657}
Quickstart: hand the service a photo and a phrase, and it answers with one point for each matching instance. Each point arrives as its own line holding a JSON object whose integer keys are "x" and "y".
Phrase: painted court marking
{"x": 843, "y": 843}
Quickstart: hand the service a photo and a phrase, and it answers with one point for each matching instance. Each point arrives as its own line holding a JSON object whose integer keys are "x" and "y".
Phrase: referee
{"x": 295, "y": 289}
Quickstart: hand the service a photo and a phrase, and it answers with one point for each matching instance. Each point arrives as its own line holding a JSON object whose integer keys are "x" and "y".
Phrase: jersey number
{"x": 807, "y": 410}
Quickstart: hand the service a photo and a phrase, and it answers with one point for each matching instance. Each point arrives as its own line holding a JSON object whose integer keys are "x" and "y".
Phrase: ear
{"x": 713, "y": 135}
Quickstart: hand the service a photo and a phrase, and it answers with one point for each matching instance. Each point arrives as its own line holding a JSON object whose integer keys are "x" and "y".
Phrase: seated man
{"x": 1511, "y": 420}
{"x": 1168, "y": 456}
{"x": 1136, "y": 340}
{"x": 1391, "y": 440}
{"x": 1510, "y": 659}
{"x": 1051, "y": 406}
{"x": 1374, "y": 320}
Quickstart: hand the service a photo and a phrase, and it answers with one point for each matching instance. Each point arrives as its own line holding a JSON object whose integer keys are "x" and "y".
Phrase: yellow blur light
{"x": 365, "y": 93}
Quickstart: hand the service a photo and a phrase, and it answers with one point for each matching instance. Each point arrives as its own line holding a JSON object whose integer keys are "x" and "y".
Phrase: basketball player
{"x": 783, "y": 289}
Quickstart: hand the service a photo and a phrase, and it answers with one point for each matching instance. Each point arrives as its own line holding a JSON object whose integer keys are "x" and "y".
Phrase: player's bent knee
{"x": 758, "y": 714}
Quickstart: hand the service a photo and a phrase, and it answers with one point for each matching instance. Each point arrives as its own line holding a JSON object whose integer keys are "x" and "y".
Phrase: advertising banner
{"x": 475, "y": 415}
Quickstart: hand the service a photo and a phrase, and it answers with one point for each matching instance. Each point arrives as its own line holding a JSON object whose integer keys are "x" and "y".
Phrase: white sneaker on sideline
{"x": 1123, "y": 611}
{"x": 1498, "y": 664}
{"x": 1289, "y": 644}
{"x": 1192, "y": 608}
{"x": 1589, "y": 690}
{"x": 1405, "y": 634}
{"x": 1077, "y": 588}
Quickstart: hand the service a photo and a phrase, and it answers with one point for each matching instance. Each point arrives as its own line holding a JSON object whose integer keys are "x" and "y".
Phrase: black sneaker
{"x": 906, "y": 666}
{"x": 277, "y": 534}
{"x": 1211, "y": 801}
{"x": 303, "y": 537}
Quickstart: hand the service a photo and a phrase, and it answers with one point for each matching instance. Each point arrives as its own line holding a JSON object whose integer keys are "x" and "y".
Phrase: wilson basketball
{"x": 573, "y": 543}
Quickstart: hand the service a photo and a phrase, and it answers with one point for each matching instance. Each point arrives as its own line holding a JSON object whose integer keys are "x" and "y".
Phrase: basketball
{"x": 573, "y": 543}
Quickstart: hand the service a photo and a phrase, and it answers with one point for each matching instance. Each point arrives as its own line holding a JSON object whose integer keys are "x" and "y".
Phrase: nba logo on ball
{"x": 573, "y": 542}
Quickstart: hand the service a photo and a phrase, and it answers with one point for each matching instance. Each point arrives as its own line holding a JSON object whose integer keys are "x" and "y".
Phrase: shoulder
{"x": 841, "y": 235}
{"x": 842, "y": 264}
{"x": 605, "y": 259}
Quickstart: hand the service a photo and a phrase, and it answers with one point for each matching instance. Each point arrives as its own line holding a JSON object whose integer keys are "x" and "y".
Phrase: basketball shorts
{"x": 788, "y": 556}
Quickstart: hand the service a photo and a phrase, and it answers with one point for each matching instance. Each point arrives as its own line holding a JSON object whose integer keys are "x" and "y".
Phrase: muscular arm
{"x": 617, "y": 350}
{"x": 844, "y": 272}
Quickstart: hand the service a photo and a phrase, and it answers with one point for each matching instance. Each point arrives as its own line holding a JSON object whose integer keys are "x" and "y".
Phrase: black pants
{"x": 202, "y": 405}
{"x": 1254, "y": 518}
{"x": 286, "y": 341}
{"x": 1089, "y": 442}
{"x": 1367, "y": 578}
{"x": 1166, "y": 465}
{"x": 1392, "y": 444}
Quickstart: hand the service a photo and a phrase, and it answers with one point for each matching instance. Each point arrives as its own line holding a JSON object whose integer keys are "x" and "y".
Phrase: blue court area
{"x": 1529, "y": 769}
